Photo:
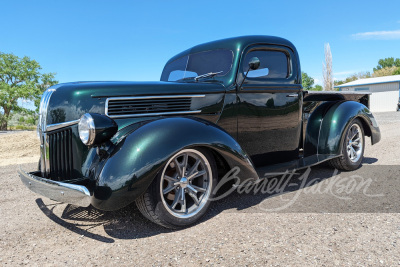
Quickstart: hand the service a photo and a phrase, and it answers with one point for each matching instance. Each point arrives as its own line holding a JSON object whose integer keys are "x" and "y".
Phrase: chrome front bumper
{"x": 77, "y": 195}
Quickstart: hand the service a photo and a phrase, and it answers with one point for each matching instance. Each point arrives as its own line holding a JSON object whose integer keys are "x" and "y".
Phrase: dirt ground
{"x": 19, "y": 147}
{"x": 321, "y": 223}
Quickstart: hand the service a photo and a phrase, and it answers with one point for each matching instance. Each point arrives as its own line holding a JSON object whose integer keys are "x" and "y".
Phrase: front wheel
{"x": 180, "y": 194}
{"x": 352, "y": 149}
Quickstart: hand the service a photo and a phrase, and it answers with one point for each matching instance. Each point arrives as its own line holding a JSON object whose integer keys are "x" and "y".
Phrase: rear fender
{"x": 330, "y": 120}
{"x": 137, "y": 158}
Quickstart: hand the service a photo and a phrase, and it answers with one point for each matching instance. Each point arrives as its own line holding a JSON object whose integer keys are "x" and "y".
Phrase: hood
{"x": 70, "y": 101}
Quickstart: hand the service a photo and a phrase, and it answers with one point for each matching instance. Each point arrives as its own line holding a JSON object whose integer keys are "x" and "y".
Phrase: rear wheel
{"x": 180, "y": 194}
{"x": 352, "y": 149}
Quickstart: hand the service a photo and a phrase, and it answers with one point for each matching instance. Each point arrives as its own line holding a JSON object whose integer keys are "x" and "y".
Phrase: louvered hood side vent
{"x": 119, "y": 107}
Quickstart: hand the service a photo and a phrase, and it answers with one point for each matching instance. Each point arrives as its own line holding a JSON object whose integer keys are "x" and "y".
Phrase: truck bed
{"x": 362, "y": 97}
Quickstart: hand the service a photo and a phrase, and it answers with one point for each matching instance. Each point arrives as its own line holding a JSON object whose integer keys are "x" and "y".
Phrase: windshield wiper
{"x": 210, "y": 74}
{"x": 185, "y": 79}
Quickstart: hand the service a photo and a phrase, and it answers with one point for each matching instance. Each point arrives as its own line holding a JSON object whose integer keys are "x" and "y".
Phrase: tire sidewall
{"x": 353, "y": 165}
{"x": 162, "y": 211}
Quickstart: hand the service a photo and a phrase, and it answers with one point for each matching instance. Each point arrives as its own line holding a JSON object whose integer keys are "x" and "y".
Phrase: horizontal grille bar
{"x": 148, "y": 105}
{"x": 132, "y": 106}
{"x": 149, "y": 100}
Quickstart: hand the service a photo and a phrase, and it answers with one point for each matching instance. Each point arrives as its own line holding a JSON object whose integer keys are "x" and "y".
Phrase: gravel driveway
{"x": 314, "y": 220}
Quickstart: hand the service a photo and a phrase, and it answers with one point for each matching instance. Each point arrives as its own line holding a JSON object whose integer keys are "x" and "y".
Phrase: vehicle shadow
{"x": 128, "y": 223}
{"x": 368, "y": 160}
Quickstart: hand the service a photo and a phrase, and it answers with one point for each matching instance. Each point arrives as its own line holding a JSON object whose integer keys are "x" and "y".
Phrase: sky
{"x": 131, "y": 40}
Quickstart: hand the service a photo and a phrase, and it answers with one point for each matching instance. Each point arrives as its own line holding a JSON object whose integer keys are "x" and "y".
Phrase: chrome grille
{"x": 42, "y": 128}
{"x": 60, "y": 154}
{"x": 149, "y": 106}
{"x": 44, "y": 103}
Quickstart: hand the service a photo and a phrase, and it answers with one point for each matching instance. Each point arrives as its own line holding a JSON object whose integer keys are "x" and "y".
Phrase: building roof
{"x": 367, "y": 81}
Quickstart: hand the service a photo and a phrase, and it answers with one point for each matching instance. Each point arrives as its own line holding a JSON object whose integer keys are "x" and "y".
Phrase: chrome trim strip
{"x": 42, "y": 157}
{"x": 46, "y": 153}
{"x": 56, "y": 126}
{"x": 73, "y": 194}
{"x": 44, "y": 104}
{"x": 154, "y": 114}
{"x": 152, "y": 97}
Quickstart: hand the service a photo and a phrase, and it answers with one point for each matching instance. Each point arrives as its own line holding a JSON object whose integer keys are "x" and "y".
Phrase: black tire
{"x": 157, "y": 207}
{"x": 345, "y": 162}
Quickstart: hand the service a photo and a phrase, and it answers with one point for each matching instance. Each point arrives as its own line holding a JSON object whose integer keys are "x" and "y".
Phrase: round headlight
{"x": 86, "y": 129}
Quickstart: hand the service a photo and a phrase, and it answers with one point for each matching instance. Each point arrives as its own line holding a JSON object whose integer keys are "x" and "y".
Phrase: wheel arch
{"x": 336, "y": 122}
{"x": 137, "y": 159}
{"x": 330, "y": 120}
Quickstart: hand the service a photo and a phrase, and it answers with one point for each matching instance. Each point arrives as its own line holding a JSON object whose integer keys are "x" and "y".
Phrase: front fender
{"x": 136, "y": 159}
{"x": 330, "y": 120}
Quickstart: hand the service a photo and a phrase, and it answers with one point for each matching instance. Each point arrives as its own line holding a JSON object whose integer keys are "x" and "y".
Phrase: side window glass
{"x": 273, "y": 64}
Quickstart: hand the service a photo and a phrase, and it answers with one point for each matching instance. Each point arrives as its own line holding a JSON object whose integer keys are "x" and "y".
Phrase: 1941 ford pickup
{"x": 236, "y": 102}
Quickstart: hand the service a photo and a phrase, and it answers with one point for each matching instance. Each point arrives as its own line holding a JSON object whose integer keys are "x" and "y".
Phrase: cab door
{"x": 269, "y": 105}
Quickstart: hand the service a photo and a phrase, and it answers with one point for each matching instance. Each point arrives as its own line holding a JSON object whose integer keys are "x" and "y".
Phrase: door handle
{"x": 292, "y": 95}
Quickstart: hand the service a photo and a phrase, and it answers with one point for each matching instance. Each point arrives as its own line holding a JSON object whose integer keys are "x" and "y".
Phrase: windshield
{"x": 194, "y": 65}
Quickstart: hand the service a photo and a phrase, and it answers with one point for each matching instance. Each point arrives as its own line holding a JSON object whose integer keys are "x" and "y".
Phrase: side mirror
{"x": 254, "y": 63}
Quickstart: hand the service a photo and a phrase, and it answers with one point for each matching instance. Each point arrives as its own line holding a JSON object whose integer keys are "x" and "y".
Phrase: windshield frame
{"x": 191, "y": 79}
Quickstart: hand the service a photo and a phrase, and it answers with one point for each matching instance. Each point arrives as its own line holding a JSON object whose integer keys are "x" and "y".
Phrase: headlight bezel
{"x": 87, "y": 129}
{"x": 94, "y": 129}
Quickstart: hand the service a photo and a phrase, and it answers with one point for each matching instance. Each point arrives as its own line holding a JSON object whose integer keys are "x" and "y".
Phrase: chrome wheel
{"x": 186, "y": 183}
{"x": 354, "y": 143}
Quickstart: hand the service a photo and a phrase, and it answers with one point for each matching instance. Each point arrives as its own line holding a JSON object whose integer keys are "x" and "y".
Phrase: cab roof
{"x": 236, "y": 44}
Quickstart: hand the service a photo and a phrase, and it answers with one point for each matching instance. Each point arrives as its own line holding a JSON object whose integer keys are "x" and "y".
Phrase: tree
{"x": 47, "y": 81}
{"x": 397, "y": 72}
{"x": 353, "y": 77}
{"x": 387, "y": 63}
{"x": 316, "y": 88}
{"x": 20, "y": 78}
{"x": 386, "y": 71}
{"x": 307, "y": 81}
{"x": 327, "y": 69}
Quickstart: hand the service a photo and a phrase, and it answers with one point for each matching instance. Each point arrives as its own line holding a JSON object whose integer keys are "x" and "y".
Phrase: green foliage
{"x": 387, "y": 63}
{"x": 20, "y": 78}
{"x": 386, "y": 67}
{"x": 317, "y": 88}
{"x": 22, "y": 118}
{"x": 353, "y": 77}
{"x": 47, "y": 80}
{"x": 31, "y": 121}
{"x": 307, "y": 81}
{"x": 387, "y": 71}
{"x": 23, "y": 127}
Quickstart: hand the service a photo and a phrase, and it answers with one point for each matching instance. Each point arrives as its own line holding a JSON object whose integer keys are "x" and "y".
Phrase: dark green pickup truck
{"x": 236, "y": 102}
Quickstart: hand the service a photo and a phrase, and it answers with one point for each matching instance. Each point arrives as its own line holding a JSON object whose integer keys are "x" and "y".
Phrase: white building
{"x": 384, "y": 91}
